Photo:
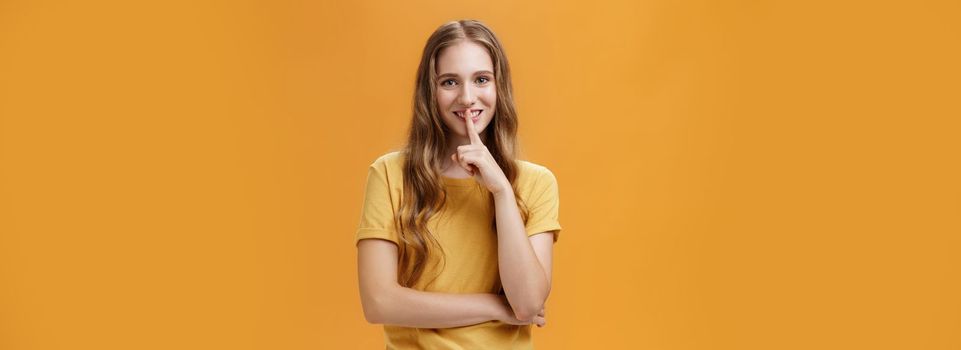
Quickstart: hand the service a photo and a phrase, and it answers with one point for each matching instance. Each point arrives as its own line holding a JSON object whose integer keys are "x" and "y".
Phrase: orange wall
{"x": 733, "y": 174}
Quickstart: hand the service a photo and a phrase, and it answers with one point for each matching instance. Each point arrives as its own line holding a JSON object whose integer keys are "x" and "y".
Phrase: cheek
{"x": 445, "y": 98}
{"x": 490, "y": 95}
{"x": 492, "y": 102}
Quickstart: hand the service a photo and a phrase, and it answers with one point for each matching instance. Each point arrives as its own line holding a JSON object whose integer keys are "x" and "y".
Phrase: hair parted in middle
{"x": 423, "y": 192}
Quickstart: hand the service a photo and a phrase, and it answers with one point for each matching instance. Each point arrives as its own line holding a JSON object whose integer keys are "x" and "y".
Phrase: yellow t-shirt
{"x": 463, "y": 230}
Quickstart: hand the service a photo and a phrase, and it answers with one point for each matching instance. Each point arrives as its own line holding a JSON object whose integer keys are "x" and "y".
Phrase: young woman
{"x": 456, "y": 234}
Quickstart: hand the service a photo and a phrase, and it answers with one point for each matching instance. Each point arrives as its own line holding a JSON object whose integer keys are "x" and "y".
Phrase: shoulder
{"x": 389, "y": 163}
{"x": 532, "y": 174}
{"x": 389, "y": 159}
{"x": 388, "y": 167}
{"x": 534, "y": 169}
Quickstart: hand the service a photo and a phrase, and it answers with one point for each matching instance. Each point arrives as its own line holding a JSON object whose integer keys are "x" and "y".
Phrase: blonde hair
{"x": 424, "y": 194}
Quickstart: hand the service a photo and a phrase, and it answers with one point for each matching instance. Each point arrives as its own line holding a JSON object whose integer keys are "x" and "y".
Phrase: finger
{"x": 467, "y": 166}
{"x": 472, "y": 132}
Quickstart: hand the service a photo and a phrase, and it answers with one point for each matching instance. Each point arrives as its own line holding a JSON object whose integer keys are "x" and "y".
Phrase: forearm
{"x": 408, "y": 307}
{"x": 522, "y": 276}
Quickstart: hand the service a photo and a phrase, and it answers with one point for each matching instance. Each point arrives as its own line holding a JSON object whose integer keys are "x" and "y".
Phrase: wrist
{"x": 499, "y": 308}
{"x": 506, "y": 192}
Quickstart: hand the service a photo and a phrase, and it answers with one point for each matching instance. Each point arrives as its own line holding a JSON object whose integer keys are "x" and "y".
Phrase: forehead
{"x": 463, "y": 58}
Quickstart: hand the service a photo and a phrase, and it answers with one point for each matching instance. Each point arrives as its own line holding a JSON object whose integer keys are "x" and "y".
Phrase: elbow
{"x": 526, "y": 317}
{"x": 375, "y": 308}
{"x": 371, "y": 315}
{"x": 527, "y": 313}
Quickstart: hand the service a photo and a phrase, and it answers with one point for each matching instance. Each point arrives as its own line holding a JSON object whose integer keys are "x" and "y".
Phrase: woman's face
{"x": 465, "y": 86}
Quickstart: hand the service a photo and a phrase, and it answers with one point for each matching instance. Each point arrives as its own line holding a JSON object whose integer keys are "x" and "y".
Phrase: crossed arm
{"x": 386, "y": 302}
{"x": 524, "y": 262}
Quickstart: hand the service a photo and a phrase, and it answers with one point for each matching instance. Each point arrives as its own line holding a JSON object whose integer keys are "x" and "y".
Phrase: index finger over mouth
{"x": 471, "y": 129}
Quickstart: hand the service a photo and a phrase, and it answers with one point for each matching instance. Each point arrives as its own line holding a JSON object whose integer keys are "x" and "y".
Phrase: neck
{"x": 454, "y": 142}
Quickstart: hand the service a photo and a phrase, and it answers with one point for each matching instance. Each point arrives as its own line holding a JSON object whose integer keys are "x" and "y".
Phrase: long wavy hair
{"x": 424, "y": 194}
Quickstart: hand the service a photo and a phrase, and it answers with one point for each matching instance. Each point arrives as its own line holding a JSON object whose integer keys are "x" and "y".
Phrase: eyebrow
{"x": 475, "y": 73}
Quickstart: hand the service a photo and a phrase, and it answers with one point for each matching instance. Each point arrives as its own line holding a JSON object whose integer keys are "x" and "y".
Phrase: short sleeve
{"x": 543, "y": 205}
{"x": 377, "y": 214}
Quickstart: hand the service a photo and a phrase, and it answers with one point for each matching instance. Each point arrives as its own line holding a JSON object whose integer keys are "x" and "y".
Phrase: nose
{"x": 466, "y": 97}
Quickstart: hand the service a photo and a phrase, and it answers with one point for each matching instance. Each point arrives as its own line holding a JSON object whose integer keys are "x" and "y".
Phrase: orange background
{"x": 733, "y": 174}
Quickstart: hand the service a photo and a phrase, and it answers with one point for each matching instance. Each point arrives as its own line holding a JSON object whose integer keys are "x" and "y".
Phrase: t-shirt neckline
{"x": 456, "y": 182}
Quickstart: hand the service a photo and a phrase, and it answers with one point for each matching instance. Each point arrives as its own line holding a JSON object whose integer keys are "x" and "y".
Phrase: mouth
{"x": 474, "y": 114}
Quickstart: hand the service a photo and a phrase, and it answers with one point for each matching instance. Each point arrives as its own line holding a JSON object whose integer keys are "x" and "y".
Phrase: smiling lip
{"x": 461, "y": 113}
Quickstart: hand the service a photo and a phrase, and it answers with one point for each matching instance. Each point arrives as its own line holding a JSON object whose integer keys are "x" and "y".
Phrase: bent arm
{"x": 386, "y": 302}
{"x": 408, "y": 307}
{"x": 524, "y": 276}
